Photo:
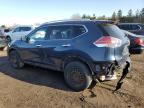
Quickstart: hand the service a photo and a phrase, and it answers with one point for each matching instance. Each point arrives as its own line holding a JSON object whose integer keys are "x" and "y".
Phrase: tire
{"x": 15, "y": 60}
{"x": 77, "y": 76}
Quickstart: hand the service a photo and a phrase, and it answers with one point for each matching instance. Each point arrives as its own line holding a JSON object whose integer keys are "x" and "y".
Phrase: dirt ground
{"x": 34, "y": 87}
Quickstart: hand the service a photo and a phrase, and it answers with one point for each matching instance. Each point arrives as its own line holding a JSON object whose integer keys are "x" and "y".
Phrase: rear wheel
{"x": 15, "y": 60}
{"x": 77, "y": 76}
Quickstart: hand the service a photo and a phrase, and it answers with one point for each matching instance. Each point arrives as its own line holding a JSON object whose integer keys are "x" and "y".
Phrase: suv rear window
{"x": 111, "y": 30}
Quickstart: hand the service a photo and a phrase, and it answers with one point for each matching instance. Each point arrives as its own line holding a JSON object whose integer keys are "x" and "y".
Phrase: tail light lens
{"x": 108, "y": 41}
{"x": 139, "y": 41}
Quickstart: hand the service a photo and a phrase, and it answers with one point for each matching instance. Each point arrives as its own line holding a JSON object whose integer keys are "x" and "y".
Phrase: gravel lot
{"x": 33, "y": 87}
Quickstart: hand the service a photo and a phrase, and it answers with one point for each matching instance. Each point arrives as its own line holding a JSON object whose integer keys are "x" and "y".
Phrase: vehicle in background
{"x": 6, "y": 30}
{"x": 84, "y": 50}
{"x": 2, "y": 39}
{"x": 136, "y": 42}
{"x": 18, "y": 33}
{"x": 136, "y": 28}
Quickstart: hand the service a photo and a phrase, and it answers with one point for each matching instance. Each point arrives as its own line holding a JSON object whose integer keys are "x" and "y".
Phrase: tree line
{"x": 131, "y": 17}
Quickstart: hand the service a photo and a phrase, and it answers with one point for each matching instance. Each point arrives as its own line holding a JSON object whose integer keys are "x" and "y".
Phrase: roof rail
{"x": 56, "y": 21}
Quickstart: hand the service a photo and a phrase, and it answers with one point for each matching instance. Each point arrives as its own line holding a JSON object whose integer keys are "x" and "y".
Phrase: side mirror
{"x": 28, "y": 40}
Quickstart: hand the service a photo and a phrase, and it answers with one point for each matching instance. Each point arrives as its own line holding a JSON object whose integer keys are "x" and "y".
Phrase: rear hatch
{"x": 119, "y": 40}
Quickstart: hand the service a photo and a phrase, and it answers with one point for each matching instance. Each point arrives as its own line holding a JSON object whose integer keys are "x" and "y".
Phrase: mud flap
{"x": 124, "y": 74}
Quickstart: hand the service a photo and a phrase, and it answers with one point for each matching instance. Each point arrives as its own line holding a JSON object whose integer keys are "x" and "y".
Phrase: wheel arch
{"x": 69, "y": 59}
{"x": 8, "y": 36}
{"x": 10, "y": 50}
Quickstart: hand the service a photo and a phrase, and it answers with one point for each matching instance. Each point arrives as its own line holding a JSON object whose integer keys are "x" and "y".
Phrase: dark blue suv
{"x": 84, "y": 50}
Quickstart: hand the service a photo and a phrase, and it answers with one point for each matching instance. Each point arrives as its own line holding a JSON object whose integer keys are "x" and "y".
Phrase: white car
{"x": 18, "y": 33}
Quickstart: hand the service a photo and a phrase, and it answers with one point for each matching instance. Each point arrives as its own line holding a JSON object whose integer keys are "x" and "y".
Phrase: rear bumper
{"x": 137, "y": 50}
{"x": 104, "y": 68}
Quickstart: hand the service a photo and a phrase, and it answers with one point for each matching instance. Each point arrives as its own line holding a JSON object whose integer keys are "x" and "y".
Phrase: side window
{"x": 65, "y": 31}
{"x": 135, "y": 27}
{"x": 23, "y": 29}
{"x": 78, "y": 30}
{"x": 16, "y": 30}
{"x": 60, "y": 32}
{"x": 125, "y": 27}
{"x": 37, "y": 35}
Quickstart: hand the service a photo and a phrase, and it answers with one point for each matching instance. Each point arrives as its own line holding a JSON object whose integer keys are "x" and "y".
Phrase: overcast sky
{"x": 39, "y": 11}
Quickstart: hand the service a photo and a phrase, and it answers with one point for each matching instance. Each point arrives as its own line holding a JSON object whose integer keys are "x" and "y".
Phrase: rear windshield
{"x": 111, "y": 30}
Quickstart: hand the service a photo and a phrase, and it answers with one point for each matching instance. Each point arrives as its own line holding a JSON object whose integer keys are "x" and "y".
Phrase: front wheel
{"x": 77, "y": 76}
{"x": 15, "y": 60}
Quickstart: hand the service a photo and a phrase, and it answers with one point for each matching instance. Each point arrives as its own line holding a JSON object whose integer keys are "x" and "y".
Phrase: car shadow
{"x": 34, "y": 75}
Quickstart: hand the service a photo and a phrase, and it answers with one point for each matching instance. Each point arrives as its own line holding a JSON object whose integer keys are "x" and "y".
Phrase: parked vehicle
{"x": 18, "y": 33}
{"x": 84, "y": 50}
{"x": 136, "y": 28}
{"x": 136, "y": 42}
{"x": 2, "y": 39}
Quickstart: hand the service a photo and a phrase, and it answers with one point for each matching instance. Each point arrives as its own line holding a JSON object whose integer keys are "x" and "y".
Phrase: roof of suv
{"x": 129, "y": 23}
{"x": 80, "y": 21}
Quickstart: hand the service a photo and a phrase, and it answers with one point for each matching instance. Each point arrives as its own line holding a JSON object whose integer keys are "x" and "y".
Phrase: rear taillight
{"x": 139, "y": 41}
{"x": 108, "y": 41}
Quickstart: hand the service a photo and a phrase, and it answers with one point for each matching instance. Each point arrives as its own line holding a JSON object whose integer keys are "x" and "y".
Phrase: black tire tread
{"x": 85, "y": 71}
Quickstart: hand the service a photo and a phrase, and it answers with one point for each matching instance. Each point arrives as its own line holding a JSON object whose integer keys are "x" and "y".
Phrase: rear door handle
{"x": 38, "y": 45}
{"x": 66, "y": 45}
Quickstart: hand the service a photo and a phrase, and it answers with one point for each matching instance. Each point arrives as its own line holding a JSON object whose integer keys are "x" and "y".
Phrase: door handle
{"x": 38, "y": 45}
{"x": 66, "y": 45}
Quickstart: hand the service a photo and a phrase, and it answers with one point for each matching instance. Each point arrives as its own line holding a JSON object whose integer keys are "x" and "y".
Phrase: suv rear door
{"x": 55, "y": 45}
{"x": 59, "y": 43}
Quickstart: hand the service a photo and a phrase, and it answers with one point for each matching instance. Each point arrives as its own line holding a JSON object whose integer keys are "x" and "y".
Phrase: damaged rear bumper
{"x": 102, "y": 70}
{"x": 109, "y": 69}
